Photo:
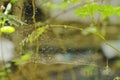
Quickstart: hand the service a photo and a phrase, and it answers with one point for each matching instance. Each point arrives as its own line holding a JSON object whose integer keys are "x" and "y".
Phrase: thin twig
{"x": 37, "y": 46}
{"x": 98, "y": 34}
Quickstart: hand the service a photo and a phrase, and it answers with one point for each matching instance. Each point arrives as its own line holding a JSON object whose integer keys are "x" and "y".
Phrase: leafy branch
{"x": 12, "y": 20}
{"x": 89, "y": 30}
{"x": 90, "y": 9}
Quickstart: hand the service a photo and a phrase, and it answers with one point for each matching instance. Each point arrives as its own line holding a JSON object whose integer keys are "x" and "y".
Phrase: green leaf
{"x": 117, "y": 9}
{"x": 22, "y": 59}
{"x": 91, "y": 9}
{"x": 7, "y": 29}
{"x": 52, "y": 6}
{"x": 2, "y": 73}
{"x": 89, "y": 30}
{"x": 74, "y": 1}
{"x": 86, "y": 10}
{"x": 25, "y": 57}
{"x": 106, "y": 11}
{"x": 64, "y": 5}
{"x": 36, "y": 34}
{"x": 13, "y": 1}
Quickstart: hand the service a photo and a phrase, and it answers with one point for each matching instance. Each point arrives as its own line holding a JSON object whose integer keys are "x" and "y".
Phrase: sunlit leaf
{"x": 106, "y": 11}
{"x": 117, "y": 9}
{"x": 86, "y": 10}
{"x": 22, "y": 59}
{"x": 25, "y": 57}
{"x": 36, "y": 34}
{"x": 91, "y": 9}
{"x": 64, "y": 5}
{"x": 13, "y": 1}
{"x": 50, "y": 5}
{"x": 7, "y": 29}
{"x": 74, "y": 1}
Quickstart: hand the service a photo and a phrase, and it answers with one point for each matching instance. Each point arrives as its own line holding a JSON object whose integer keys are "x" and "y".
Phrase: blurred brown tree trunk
{"x": 18, "y": 9}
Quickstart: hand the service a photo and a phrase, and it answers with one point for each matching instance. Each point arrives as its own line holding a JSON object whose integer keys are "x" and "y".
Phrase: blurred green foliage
{"x": 92, "y": 8}
{"x": 13, "y": 1}
{"x": 24, "y": 58}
